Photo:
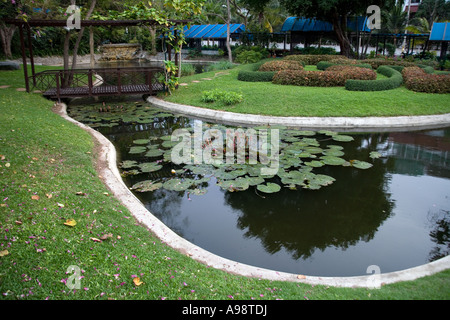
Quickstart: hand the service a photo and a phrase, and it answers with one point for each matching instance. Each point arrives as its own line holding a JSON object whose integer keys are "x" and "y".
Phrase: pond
{"x": 344, "y": 202}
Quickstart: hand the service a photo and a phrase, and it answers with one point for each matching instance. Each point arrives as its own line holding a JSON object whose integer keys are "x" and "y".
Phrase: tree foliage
{"x": 334, "y": 11}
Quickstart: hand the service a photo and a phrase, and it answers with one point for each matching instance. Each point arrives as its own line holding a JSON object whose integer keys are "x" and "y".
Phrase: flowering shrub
{"x": 375, "y": 63}
{"x": 278, "y": 65}
{"x": 416, "y": 79}
{"x": 333, "y": 78}
{"x": 312, "y": 59}
{"x": 394, "y": 80}
{"x": 226, "y": 97}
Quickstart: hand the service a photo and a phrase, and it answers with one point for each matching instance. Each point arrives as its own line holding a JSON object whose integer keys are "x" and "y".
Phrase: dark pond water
{"x": 394, "y": 214}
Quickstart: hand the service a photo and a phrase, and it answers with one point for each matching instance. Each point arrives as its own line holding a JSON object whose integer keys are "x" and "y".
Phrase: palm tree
{"x": 395, "y": 20}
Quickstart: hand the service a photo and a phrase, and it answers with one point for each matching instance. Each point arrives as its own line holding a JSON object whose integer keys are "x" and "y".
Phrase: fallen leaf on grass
{"x": 80, "y": 193}
{"x": 70, "y": 222}
{"x": 60, "y": 205}
{"x": 96, "y": 240}
{"x": 106, "y": 236}
{"x": 35, "y": 197}
{"x": 49, "y": 195}
{"x": 137, "y": 281}
{"x": 4, "y": 253}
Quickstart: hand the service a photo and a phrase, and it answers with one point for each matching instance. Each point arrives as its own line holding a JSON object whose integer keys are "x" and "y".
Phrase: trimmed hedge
{"x": 393, "y": 81}
{"x": 312, "y": 59}
{"x": 324, "y": 65}
{"x": 256, "y": 76}
{"x": 250, "y": 73}
{"x": 278, "y": 65}
{"x": 416, "y": 79}
{"x": 322, "y": 78}
{"x": 375, "y": 63}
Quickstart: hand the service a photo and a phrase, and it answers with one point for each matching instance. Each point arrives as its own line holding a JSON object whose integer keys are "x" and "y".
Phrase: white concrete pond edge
{"x": 110, "y": 175}
{"x": 347, "y": 124}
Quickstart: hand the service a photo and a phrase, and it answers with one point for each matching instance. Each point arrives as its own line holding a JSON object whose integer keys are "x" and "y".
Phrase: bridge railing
{"x": 98, "y": 81}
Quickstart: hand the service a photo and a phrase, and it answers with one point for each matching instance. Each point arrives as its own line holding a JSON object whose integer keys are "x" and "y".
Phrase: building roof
{"x": 312, "y": 25}
{"x": 211, "y": 31}
{"x": 440, "y": 31}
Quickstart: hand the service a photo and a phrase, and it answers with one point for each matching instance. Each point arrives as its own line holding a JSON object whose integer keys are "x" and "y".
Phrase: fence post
{"x": 90, "y": 81}
{"x": 119, "y": 89}
{"x": 58, "y": 85}
{"x": 149, "y": 81}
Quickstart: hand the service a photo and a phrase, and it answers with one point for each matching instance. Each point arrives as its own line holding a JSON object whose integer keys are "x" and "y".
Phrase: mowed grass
{"x": 47, "y": 176}
{"x": 266, "y": 98}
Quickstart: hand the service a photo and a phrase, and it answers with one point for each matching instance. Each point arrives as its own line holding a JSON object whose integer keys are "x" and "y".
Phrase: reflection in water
{"x": 394, "y": 215}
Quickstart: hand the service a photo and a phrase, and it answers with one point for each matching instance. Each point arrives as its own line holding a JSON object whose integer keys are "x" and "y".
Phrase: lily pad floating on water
{"x": 333, "y": 161}
{"x": 238, "y": 184}
{"x": 135, "y": 149}
{"x": 360, "y": 164}
{"x": 375, "y": 155}
{"x": 177, "y": 184}
{"x": 141, "y": 141}
{"x": 152, "y": 153}
{"x": 150, "y": 166}
{"x": 127, "y": 164}
{"x": 198, "y": 192}
{"x": 342, "y": 138}
{"x": 270, "y": 187}
{"x": 146, "y": 186}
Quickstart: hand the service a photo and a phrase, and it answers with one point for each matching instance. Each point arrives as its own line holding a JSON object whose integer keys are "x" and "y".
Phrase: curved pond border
{"x": 356, "y": 124}
{"x": 106, "y": 163}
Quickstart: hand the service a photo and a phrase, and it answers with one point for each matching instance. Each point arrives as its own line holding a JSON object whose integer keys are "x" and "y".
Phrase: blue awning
{"x": 440, "y": 31}
{"x": 211, "y": 31}
{"x": 313, "y": 25}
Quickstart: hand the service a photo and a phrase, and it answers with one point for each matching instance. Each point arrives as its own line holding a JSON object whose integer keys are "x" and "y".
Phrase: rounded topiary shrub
{"x": 312, "y": 59}
{"x": 332, "y": 78}
{"x": 278, "y": 65}
{"x": 394, "y": 80}
{"x": 416, "y": 79}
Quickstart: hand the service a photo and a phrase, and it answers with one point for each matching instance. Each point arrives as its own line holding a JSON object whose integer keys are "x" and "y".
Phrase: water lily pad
{"x": 315, "y": 164}
{"x": 360, "y": 164}
{"x": 127, "y": 164}
{"x": 253, "y": 181}
{"x": 270, "y": 187}
{"x": 198, "y": 192}
{"x": 134, "y": 150}
{"x": 333, "y": 152}
{"x": 328, "y": 132}
{"x": 333, "y": 161}
{"x": 342, "y": 138}
{"x": 239, "y": 184}
{"x": 322, "y": 179}
{"x": 375, "y": 155}
{"x": 154, "y": 153}
{"x": 141, "y": 141}
{"x": 177, "y": 184}
{"x": 146, "y": 186}
{"x": 150, "y": 166}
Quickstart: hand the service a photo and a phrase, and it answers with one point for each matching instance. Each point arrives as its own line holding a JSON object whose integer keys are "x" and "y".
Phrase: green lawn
{"x": 269, "y": 99}
{"x": 47, "y": 176}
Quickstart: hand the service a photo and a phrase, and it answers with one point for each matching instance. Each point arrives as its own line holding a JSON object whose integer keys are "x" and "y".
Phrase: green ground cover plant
{"x": 393, "y": 80}
{"x": 55, "y": 213}
{"x": 418, "y": 80}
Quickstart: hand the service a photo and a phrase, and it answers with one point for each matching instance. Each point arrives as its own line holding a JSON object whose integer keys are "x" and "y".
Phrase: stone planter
{"x": 120, "y": 51}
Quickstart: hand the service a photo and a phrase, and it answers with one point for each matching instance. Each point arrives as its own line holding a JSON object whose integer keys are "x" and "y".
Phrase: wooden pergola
{"x": 25, "y": 42}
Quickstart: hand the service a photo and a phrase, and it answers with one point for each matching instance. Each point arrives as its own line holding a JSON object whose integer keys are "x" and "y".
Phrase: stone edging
{"x": 356, "y": 124}
{"x": 109, "y": 173}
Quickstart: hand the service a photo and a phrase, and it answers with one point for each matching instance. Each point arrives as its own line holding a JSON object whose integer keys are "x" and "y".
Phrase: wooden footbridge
{"x": 92, "y": 82}
{"x": 58, "y": 84}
